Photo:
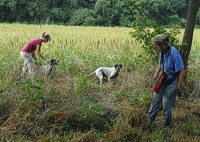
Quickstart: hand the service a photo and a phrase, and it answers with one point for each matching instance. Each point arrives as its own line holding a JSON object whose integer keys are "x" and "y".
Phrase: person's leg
{"x": 28, "y": 62}
{"x": 25, "y": 68}
{"x": 168, "y": 102}
{"x": 156, "y": 103}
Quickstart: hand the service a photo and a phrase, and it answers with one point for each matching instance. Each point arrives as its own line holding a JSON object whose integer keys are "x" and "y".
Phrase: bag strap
{"x": 163, "y": 60}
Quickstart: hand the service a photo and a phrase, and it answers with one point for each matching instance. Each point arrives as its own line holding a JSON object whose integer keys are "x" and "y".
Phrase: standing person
{"x": 32, "y": 49}
{"x": 170, "y": 63}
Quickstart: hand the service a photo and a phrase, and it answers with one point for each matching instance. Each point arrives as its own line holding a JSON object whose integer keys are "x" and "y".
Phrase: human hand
{"x": 155, "y": 76}
{"x": 48, "y": 61}
{"x": 179, "y": 94}
{"x": 180, "y": 87}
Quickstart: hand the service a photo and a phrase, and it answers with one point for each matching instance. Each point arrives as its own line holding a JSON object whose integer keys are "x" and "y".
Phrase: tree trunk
{"x": 188, "y": 34}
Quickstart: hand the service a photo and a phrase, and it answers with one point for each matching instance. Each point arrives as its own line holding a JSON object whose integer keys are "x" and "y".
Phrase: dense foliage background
{"x": 94, "y": 12}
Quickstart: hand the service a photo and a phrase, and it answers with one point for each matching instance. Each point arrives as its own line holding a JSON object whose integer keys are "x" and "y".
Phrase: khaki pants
{"x": 28, "y": 62}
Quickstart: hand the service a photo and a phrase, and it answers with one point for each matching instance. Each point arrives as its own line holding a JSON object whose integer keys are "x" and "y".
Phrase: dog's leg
{"x": 115, "y": 80}
{"x": 101, "y": 79}
{"x": 109, "y": 79}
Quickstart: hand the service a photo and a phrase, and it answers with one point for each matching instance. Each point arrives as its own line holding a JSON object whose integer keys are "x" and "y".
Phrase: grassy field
{"x": 72, "y": 107}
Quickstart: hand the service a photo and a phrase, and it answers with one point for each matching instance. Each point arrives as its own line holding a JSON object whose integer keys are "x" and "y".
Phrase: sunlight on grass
{"x": 73, "y": 107}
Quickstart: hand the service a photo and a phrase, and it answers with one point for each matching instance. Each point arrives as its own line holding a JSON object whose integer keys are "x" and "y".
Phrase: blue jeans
{"x": 166, "y": 95}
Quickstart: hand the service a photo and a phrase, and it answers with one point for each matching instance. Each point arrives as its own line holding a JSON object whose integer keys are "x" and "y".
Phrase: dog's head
{"x": 54, "y": 62}
{"x": 118, "y": 67}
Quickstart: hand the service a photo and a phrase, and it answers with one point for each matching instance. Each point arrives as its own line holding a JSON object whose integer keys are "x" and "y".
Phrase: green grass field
{"x": 72, "y": 107}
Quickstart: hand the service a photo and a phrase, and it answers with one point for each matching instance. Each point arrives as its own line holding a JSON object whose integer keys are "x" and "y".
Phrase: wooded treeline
{"x": 94, "y": 12}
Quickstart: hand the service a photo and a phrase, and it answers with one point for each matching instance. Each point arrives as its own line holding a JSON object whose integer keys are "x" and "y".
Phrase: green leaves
{"x": 99, "y": 12}
{"x": 144, "y": 30}
{"x": 34, "y": 91}
{"x": 163, "y": 11}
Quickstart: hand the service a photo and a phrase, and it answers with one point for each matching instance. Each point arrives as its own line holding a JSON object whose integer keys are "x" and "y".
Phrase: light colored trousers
{"x": 28, "y": 62}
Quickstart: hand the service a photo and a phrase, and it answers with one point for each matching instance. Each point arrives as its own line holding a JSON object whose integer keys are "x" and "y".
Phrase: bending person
{"x": 30, "y": 51}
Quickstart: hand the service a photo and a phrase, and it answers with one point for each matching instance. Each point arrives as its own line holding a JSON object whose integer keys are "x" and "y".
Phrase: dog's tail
{"x": 90, "y": 74}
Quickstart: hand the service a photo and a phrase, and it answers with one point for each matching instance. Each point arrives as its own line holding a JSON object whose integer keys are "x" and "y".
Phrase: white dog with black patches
{"x": 111, "y": 73}
{"x": 47, "y": 69}
{"x": 42, "y": 70}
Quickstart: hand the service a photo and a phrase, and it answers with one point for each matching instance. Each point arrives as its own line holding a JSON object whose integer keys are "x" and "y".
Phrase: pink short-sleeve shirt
{"x": 31, "y": 46}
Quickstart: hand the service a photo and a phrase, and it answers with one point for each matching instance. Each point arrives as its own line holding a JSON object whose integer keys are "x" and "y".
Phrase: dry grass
{"x": 73, "y": 107}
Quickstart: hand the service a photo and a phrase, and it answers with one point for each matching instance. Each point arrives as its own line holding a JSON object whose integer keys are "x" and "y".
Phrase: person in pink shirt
{"x": 32, "y": 49}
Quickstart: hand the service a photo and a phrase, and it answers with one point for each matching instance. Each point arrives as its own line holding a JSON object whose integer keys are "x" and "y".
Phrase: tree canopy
{"x": 94, "y": 12}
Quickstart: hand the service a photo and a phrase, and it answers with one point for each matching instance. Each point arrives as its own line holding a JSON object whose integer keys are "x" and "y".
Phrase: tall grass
{"x": 73, "y": 107}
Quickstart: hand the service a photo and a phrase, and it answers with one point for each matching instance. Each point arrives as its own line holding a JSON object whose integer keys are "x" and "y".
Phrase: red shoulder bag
{"x": 158, "y": 82}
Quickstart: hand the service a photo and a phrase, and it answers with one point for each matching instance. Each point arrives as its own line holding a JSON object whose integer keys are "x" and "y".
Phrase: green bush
{"x": 144, "y": 30}
{"x": 82, "y": 17}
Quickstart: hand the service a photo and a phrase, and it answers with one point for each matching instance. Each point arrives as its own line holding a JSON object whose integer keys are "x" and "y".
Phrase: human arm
{"x": 37, "y": 52}
{"x": 157, "y": 73}
{"x": 179, "y": 68}
{"x": 34, "y": 56}
{"x": 180, "y": 80}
